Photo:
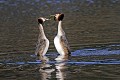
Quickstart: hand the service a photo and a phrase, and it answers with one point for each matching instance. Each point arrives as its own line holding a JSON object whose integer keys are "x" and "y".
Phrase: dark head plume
{"x": 40, "y": 21}
{"x": 58, "y": 17}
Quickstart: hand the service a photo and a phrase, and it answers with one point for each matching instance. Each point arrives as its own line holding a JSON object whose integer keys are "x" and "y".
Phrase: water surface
{"x": 92, "y": 28}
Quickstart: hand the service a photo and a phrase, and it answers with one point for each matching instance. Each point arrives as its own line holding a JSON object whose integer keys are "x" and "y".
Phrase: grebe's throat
{"x": 41, "y": 33}
{"x": 60, "y": 30}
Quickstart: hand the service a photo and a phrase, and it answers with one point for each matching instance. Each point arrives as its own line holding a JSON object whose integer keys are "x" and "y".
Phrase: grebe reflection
{"x": 45, "y": 68}
{"x": 60, "y": 73}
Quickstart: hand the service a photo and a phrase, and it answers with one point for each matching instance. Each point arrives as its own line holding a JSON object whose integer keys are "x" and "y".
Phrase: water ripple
{"x": 88, "y": 52}
{"x": 68, "y": 62}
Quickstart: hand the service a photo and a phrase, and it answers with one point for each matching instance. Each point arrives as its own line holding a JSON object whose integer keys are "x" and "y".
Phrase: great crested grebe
{"x": 43, "y": 42}
{"x": 60, "y": 40}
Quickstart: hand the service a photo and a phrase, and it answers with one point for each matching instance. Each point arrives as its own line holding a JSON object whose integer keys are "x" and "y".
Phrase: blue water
{"x": 99, "y": 62}
{"x": 92, "y": 28}
{"x": 74, "y": 58}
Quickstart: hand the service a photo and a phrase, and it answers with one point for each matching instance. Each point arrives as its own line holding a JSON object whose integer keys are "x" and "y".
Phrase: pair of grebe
{"x": 60, "y": 41}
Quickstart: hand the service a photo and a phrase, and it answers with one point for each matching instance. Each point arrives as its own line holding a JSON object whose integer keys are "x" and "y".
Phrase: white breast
{"x": 58, "y": 46}
{"x": 47, "y": 46}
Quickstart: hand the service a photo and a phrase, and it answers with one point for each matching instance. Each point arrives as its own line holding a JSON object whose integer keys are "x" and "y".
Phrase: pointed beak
{"x": 47, "y": 19}
{"x": 51, "y": 17}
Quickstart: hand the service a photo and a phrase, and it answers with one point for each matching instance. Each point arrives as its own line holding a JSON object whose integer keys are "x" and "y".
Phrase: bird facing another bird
{"x": 43, "y": 43}
{"x": 60, "y": 41}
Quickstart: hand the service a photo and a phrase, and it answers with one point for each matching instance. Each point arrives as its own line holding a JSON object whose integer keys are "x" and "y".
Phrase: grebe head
{"x": 59, "y": 17}
{"x": 41, "y": 20}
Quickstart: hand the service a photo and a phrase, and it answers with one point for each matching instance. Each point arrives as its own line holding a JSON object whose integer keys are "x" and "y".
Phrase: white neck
{"x": 42, "y": 34}
{"x": 60, "y": 30}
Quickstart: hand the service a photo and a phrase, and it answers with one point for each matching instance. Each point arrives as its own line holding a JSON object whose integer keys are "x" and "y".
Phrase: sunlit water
{"x": 92, "y": 28}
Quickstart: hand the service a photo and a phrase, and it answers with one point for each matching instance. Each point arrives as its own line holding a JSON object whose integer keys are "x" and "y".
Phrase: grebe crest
{"x": 59, "y": 17}
{"x": 41, "y": 20}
